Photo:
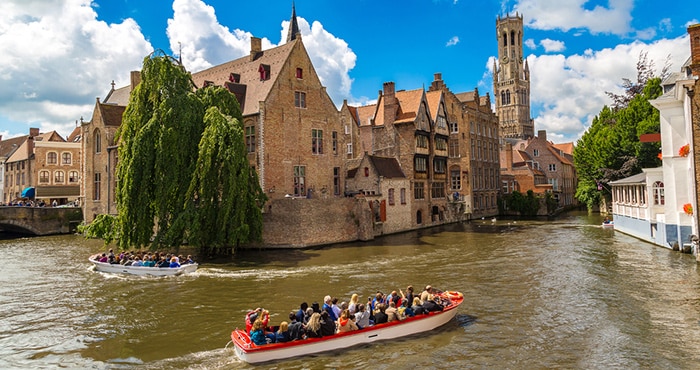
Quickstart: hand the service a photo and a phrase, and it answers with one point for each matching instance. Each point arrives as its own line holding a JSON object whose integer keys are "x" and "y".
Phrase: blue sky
{"x": 60, "y": 55}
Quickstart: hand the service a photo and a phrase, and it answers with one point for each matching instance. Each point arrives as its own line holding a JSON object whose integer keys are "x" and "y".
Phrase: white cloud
{"x": 205, "y": 43}
{"x": 552, "y": 14}
{"x": 550, "y": 45}
{"x": 57, "y": 57}
{"x": 530, "y": 43}
{"x": 453, "y": 41}
{"x": 568, "y": 91}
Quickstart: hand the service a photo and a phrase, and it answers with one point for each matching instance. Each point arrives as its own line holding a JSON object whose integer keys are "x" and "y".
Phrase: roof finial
{"x": 293, "y": 25}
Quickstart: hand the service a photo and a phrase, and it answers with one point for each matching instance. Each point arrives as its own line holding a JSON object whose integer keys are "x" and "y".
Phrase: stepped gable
{"x": 247, "y": 71}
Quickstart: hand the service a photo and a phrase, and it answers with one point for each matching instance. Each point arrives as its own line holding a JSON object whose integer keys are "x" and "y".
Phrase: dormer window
{"x": 208, "y": 83}
{"x": 264, "y": 71}
{"x": 235, "y": 78}
{"x": 300, "y": 73}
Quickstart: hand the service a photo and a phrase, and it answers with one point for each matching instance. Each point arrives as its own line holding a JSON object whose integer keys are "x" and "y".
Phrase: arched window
{"x": 43, "y": 177}
{"x": 507, "y": 96}
{"x": 505, "y": 39}
{"x": 66, "y": 158}
{"x": 658, "y": 190}
{"x": 73, "y": 177}
{"x": 512, "y": 37}
{"x": 59, "y": 177}
{"x": 51, "y": 158}
{"x": 503, "y": 98}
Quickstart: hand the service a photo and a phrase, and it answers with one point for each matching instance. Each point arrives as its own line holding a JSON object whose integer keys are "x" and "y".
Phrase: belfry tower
{"x": 511, "y": 80}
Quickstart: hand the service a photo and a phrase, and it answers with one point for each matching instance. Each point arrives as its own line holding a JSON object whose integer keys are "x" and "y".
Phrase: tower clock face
{"x": 505, "y": 59}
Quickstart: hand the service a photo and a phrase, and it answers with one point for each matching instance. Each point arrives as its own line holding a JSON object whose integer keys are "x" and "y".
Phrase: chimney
{"x": 33, "y": 131}
{"x": 390, "y": 105}
{"x": 508, "y": 157}
{"x": 694, "y": 32}
{"x": 255, "y": 47}
{"x": 542, "y": 135}
{"x": 135, "y": 79}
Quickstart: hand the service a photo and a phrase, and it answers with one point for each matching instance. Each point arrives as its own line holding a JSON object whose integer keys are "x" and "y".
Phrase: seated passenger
{"x": 137, "y": 262}
{"x": 258, "y": 335}
{"x": 432, "y": 306}
{"x": 380, "y": 316}
{"x": 296, "y": 328}
{"x": 174, "y": 263}
{"x": 189, "y": 260}
{"x": 405, "y": 310}
{"x": 345, "y": 324}
{"x": 307, "y": 315}
{"x": 362, "y": 316}
{"x": 327, "y": 324}
{"x": 313, "y": 327}
{"x": 354, "y": 301}
{"x": 328, "y": 307}
{"x": 302, "y": 311}
{"x": 103, "y": 258}
{"x": 283, "y": 334}
{"x": 417, "y": 307}
{"x": 427, "y": 294}
{"x": 392, "y": 313}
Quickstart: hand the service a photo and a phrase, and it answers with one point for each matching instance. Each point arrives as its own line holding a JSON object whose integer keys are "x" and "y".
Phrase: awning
{"x": 57, "y": 191}
{"x": 28, "y": 193}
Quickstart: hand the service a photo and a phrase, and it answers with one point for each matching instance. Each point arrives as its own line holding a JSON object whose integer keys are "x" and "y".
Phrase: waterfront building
{"x": 661, "y": 206}
{"x": 521, "y": 173}
{"x": 511, "y": 80}
{"x": 7, "y": 148}
{"x": 43, "y": 161}
{"x": 555, "y": 163}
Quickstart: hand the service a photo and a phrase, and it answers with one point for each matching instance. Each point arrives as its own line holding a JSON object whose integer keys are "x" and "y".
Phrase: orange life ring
{"x": 453, "y": 295}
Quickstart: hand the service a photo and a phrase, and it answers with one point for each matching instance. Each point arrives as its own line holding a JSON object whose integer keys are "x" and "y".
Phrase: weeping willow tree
{"x": 183, "y": 174}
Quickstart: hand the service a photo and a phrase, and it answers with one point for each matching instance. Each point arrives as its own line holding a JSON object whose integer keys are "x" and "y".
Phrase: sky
{"x": 58, "y": 56}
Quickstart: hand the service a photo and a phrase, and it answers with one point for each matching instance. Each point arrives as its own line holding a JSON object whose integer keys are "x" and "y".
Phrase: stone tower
{"x": 511, "y": 80}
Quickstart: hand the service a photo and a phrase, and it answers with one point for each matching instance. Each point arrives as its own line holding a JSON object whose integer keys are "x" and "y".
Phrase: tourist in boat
{"x": 162, "y": 263}
{"x": 354, "y": 300}
{"x": 327, "y": 324}
{"x": 417, "y": 306}
{"x": 307, "y": 315}
{"x": 345, "y": 324}
{"x": 405, "y": 310}
{"x": 316, "y": 307}
{"x": 258, "y": 335}
{"x": 137, "y": 262}
{"x": 296, "y": 328}
{"x": 432, "y": 306}
{"x": 313, "y": 327}
{"x": 283, "y": 334}
{"x": 408, "y": 297}
{"x": 378, "y": 299}
{"x": 427, "y": 294}
{"x": 392, "y": 313}
{"x": 362, "y": 316}
{"x": 302, "y": 311}
{"x": 174, "y": 263}
{"x": 328, "y": 307}
{"x": 258, "y": 313}
{"x": 103, "y": 258}
{"x": 336, "y": 308}
{"x": 189, "y": 260}
{"x": 380, "y": 316}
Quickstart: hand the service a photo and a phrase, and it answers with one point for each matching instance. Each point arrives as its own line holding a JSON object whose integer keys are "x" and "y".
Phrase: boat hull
{"x": 141, "y": 270}
{"x": 256, "y": 354}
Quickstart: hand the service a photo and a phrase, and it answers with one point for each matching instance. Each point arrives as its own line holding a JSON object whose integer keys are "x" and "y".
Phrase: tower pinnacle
{"x": 293, "y": 25}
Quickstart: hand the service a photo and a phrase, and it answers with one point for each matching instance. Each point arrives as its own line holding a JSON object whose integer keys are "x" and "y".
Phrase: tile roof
{"x": 119, "y": 96}
{"x": 434, "y": 98}
{"x": 409, "y": 104}
{"x": 387, "y": 167}
{"x": 567, "y": 148}
{"x": 8, "y": 146}
{"x": 256, "y": 90}
{"x": 365, "y": 113}
{"x": 112, "y": 114}
{"x": 75, "y": 136}
{"x": 465, "y": 96}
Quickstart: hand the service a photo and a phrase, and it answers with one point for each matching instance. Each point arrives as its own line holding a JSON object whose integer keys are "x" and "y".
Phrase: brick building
{"x": 46, "y": 162}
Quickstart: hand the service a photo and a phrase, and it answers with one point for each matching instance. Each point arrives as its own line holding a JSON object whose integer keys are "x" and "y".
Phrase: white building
{"x": 656, "y": 204}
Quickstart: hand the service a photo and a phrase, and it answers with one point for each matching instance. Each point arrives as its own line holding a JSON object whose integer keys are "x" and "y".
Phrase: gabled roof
{"x": 119, "y": 96}
{"x": 434, "y": 98}
{"x": 567, "y": 148}
{"x": 386, "y": 167}
{"x": 247, "y": 69}
{"x": 112, "y": 114}
{"x": 409, "y": 104}
{"x": 466, "y": 96}
{"x": 49, "y": 136}
{"x": 366, "y": 113}
{"x": 75, "y": 136}
{"x": 8, "y": 146}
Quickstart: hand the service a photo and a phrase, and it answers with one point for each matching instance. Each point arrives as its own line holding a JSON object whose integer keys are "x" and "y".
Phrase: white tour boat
{"x": 143, "y": 270}
{"x": 247, "y": 351}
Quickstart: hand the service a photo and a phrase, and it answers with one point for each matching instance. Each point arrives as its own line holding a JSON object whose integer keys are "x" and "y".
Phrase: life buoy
{"x": 453, "y": 295}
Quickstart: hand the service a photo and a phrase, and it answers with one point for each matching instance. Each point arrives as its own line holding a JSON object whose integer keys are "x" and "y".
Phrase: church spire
{"x": 293, "y": 26}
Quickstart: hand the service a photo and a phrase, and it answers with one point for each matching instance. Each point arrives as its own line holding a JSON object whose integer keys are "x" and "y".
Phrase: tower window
{"x": 300, "y": 73}
{"x": 264, "y": 71}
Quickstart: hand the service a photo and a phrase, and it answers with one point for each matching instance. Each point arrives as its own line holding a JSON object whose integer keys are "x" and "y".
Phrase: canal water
{"x": 538, "y": 294}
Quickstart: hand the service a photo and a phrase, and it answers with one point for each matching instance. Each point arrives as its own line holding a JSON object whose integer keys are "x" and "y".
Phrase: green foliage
{"x": 183, "y": 170}
{"x": 610, "y": 149}
{"x": 525, "y": 205}
{"x": 102, "y": 227}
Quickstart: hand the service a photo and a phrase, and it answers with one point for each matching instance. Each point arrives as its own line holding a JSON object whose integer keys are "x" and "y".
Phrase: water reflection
{"x": 538, "y": 294}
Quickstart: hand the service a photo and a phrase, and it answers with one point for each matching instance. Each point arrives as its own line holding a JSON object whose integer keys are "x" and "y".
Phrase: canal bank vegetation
{"x": 611, "y": 148}
{"x": 183, "y": 171}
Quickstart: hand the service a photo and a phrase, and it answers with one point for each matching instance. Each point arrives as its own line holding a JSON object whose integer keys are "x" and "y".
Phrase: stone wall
{"x": 301, "y": 222}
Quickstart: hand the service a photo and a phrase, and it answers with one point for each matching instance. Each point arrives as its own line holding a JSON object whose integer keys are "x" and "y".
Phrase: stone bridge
{"x": 40, "y": 220}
